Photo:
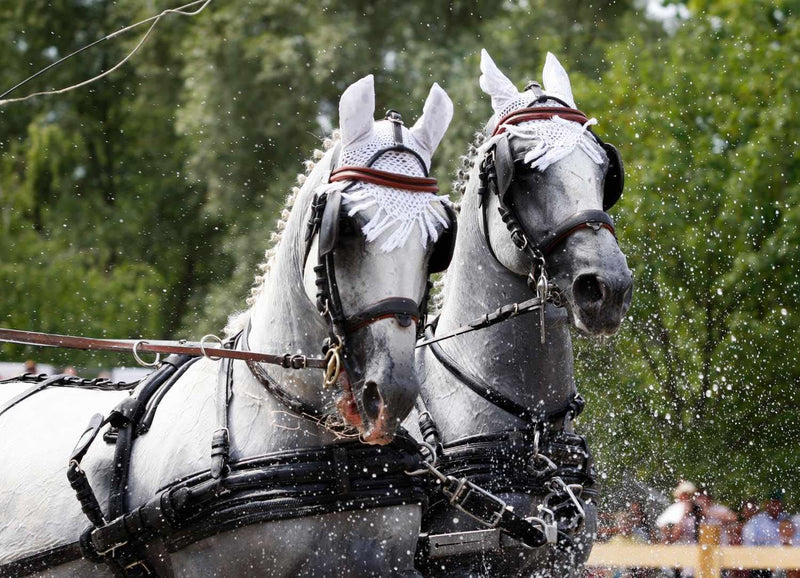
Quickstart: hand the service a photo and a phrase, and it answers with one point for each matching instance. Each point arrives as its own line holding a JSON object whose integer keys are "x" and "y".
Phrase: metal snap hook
{"x": 334, "y": 367}
{"x": 141, "y": 361}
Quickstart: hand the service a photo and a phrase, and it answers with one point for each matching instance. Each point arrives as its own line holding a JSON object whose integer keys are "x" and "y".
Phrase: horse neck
{"x": 508, "y": 356}
{"x": 283, "y": 318}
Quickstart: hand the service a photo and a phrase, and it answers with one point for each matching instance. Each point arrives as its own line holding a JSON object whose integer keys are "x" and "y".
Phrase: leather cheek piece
{"x": 615, "y": 177}
{"x": 504, "y": 165}
{"x": 445, "y": 245}
{"x": 329, "y": 226}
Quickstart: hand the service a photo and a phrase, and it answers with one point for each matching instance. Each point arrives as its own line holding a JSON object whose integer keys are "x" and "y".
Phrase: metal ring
{"x": 334, "y": 367}
{"x": 141, "y": 361}
{"x": 203, "y": 349}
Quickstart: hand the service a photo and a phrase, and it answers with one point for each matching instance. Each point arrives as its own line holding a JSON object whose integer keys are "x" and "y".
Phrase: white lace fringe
{"x": 397, "y": 209}
{"x": 557, "y": 138}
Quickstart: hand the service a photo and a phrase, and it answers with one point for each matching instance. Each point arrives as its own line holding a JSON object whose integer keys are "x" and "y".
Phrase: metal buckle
{"x": 466, "y": 491}
{"x": 334, "y": 364}
{"x": 112, "y": 548}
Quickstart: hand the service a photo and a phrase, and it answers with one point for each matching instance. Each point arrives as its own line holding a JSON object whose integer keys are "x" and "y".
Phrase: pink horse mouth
{"x": 376, "y": 433}
{"x": 346, "y": 403}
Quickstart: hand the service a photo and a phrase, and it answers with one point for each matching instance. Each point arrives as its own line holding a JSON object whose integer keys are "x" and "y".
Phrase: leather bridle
{"x": 497, "y": 173}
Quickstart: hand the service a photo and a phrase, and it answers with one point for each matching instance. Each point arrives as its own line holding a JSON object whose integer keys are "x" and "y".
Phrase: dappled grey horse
{"x": 288, "y": 489}
{"x": 503, "y": 398}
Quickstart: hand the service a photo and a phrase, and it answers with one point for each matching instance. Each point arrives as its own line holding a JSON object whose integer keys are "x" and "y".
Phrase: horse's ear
{"x": 356, "y": 109}
{"x": 495, "y": 83}
{"x": 556, "y": 81}
{"x": 436, "y": 116}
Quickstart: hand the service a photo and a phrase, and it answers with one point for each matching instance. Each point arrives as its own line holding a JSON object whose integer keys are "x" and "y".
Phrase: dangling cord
{"x": 181, "y": 10}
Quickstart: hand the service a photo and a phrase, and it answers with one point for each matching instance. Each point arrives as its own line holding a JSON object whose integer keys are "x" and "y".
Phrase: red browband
{"x": 376, "y": 177}
{"x": 540, "y": 113}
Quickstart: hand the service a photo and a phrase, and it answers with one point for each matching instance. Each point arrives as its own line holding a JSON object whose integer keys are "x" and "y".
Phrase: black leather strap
{"x": 42, "y": 561}
{"x": 220, "y": 441}
{"x": 293, "y": 403}
{"x": 478, "y": 385}
{"x": 574, "y": 406}
{"x": 30, "y": 391}
{"x": 404, "y": 309}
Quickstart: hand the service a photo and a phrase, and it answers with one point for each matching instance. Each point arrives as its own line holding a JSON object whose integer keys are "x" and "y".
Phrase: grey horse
{"x": 40, "y": 510}
{"x": 488, "y": 271}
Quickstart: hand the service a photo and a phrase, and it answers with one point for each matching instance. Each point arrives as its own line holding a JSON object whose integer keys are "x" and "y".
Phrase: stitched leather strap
{"x": 394, "y": 180}
{"x": 169, "y": 347}
{"x": 540, "y": 113}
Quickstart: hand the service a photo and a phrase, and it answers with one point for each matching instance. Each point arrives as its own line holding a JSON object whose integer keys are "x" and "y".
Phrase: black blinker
{"x": 615, "y": 177}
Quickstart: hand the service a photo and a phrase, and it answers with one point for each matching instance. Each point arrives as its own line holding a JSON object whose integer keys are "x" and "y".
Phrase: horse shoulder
{"x": 178, "y": 442}
{"x": 37, "y": 435}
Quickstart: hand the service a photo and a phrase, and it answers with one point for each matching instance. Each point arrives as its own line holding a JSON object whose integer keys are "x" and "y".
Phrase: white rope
{"x": 181, "y": 10}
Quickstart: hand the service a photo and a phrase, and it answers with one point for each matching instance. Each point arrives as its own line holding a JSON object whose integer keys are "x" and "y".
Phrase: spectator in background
{"x": 763, "y": 529}
{"x": 30, "y": 367}
{"x": 628, "y": 533}
{"x": 715, "y": 514}
{"x": 641, "y": 522}
{"x": 788, "y": 533}
{"x": 788, "y": 537}
{"x": 677, "y": 522}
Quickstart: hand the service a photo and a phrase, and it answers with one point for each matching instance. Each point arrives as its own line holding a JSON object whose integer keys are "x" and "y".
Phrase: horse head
{"x": 368, "y": 264}
{"x": 553, "y": 180}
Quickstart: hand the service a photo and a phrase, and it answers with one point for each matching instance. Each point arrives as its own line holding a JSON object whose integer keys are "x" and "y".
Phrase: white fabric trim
{"x": 398, "y": 212}
{"x": 556, "y": 139}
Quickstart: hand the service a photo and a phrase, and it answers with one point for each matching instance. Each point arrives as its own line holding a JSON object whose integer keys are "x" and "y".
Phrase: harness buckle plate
{"x": 475, "y": 502}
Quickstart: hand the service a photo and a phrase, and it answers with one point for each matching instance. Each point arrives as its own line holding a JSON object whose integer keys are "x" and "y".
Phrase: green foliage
{"x": 708, "y": 358}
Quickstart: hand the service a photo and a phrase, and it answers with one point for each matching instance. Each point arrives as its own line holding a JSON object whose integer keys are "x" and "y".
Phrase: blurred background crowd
{"x": 756, "y": 521}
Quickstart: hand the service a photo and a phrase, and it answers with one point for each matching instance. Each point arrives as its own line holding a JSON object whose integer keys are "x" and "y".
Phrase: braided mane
{"x": 466, "y": 162}
{"x": 275, "y": 237}
{"x": 238, "y": 321}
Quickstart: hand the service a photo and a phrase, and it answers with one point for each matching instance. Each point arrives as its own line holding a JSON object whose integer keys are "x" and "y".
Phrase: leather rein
{"x": 136, "y": 347}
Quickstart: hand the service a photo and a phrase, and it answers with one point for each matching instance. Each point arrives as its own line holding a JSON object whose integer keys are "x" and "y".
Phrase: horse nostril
{"x": 373, "y": 402}
{"x": 589, "y": 289}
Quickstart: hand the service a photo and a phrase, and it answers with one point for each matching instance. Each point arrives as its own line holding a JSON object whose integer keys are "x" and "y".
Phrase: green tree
{"x": 701, "y": 381}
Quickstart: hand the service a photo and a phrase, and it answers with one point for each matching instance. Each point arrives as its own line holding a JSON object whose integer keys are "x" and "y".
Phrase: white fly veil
{"x": 398, "y": 212}
{"x": 554, "y": 138}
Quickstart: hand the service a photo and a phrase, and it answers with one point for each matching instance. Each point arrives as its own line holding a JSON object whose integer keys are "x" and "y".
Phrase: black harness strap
{"x": 30, "y": 391}
{"x": 293, "y": 403}
{"x": 282, "y": 485}
{"x": 220, "y": 441}
{"x": 42, "y": 561}
{"x": 478, "y": 385}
